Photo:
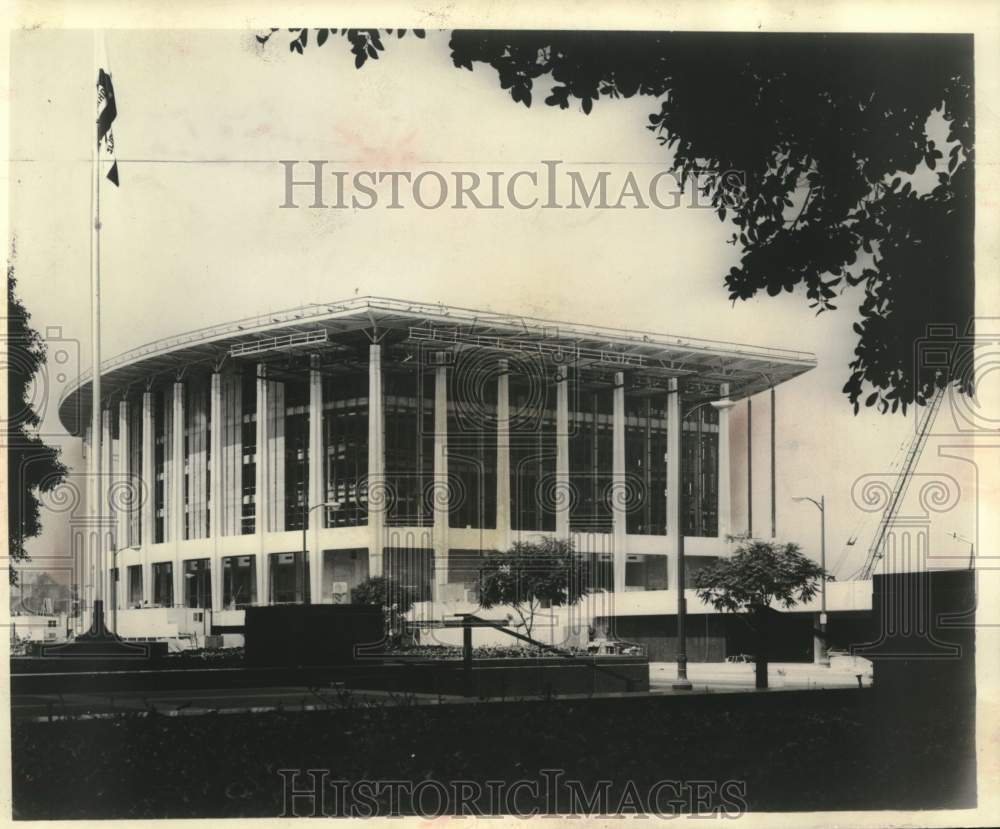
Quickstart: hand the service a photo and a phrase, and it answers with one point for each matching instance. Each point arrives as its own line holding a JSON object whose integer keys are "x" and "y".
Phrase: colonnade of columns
{"x": 216, "y": 467}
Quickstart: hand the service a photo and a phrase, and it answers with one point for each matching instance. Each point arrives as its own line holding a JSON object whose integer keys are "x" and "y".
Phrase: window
{"x": 296, "y": 451}
{"x": 345, "y": 445}
{"x": 590, "y": 454}
{"x": 646, "y": 463}
{"x": 532, "y": 448}
{"x": 700, "y": 484}
{"x": 472, "y": 442}
{"x": 249, "y": 443}
{"x": 409, "y": 445}
{"x": 645, "y": 572}
{"x": 135, "y": 471}
{"x": 134, "y": 585}
{"x": 411, "y": 568}
{"x": 159, "y": 465}
{"x": 464, "y": 573}
{"x": 239, "y": 582}
{"x": 343, "y": 570}
{"x": 196, "y": 448}
{"x": 163, "y": 584}
{"x": 289, "y": 578}
{"x": 197, "y": 583}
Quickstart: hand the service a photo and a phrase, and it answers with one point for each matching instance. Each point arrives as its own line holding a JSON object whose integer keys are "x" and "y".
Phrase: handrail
{"x": 480, "y": 622}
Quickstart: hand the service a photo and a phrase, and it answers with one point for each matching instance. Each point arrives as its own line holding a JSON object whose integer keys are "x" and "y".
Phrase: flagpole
{"x": 98, "y": 642}
{"x": 96, "y": 431}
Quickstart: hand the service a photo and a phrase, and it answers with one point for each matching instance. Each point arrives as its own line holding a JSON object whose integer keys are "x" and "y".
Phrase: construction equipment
{"x": 875, "y": 552}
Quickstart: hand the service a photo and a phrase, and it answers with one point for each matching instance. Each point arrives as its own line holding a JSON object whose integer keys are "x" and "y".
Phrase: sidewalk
{"x": 725, "y": 676}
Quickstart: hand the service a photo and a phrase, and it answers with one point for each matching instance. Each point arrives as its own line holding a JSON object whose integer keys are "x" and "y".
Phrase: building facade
{"x": 287, "y": 458}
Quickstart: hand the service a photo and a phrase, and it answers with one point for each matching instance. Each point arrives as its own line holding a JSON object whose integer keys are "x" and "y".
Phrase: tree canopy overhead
{"x": 815, "y": 147}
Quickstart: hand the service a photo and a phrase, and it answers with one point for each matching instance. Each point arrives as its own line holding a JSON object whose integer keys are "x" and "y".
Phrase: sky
{"x": 195, "y": 235}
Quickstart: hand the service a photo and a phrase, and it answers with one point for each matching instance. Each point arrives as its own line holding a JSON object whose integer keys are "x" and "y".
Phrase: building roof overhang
{"x": 328, "y": 326}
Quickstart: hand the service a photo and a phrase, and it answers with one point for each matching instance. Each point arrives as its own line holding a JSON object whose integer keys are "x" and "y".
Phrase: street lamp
{"x": 683, "y": 683}
{"x": 972, "y": 547}
{"x": 820, "y": 654}
{"x": 306, "y": 512}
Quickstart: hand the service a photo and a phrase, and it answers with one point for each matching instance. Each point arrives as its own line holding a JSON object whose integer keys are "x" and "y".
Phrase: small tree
{"x": 394, "y": 598}
{"x": 530, "y": 574}
{"x": 758, "y": 574}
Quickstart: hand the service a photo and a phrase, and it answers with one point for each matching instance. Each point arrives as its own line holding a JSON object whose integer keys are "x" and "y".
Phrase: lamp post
{"x": 820, "y": 654}
{"x": 306, "y": 512}
{"x": 972, "y": 547}
{"x": 683, "y": 683}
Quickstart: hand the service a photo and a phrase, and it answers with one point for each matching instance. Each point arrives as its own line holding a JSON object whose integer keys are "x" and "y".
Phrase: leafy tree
{"x": 531, "y": 574}
{"x": 815, "y": 147}
{"x": 759, "y": 574}
{"x": 43, "y": 595}
{"x": 33, "y": 467}
{"x": 395, "y": 599}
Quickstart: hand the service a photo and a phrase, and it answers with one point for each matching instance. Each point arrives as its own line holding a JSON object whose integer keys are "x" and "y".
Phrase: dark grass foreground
{"x": 815, "y": 750}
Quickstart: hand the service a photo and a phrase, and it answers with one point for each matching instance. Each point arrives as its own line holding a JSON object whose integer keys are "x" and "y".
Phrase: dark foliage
{"x": 33, "y": 467}
{"x": 531, "y": 574}
{"x": 780, "y": 746}
{"x": 394, "y": 598}
{"x": 757, "y": 575}
{"x": 806, "y": 144}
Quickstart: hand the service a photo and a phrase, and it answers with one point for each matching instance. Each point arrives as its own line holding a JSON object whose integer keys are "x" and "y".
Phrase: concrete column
{"x": 127, "y": 500}
{"x": 674, "y": 436}
{"x": 503, "y": 456}
{"x": 376, "y": 462}
{"x": 261, "y": 484}
{"x": 725, "y": 487}
{"x": 147, "y": 530}
{"x": 441, "y": 501}
{"x": 215, "y": 484}
{"x": 316, "y": 490}
{"x": 619, "y": 500}
{"x": 230, "y": 464}
{"x": 563, "y": 497}
{"x": 275, "y": 457}
{"x": 122, "y": 536}
{"x": 199, "y": 457}
{"x": 108, "y": 512}
{"x": 176, "y": 512}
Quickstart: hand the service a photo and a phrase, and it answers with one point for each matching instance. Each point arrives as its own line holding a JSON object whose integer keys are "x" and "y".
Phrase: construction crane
{"x": 875, "y": 552}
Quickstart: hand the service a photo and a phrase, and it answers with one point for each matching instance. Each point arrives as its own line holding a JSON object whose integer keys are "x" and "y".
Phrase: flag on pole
{"x": 106, "y": 113}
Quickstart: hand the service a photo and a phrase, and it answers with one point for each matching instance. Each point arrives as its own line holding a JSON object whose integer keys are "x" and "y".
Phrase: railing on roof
{"x": 464, "y": 316}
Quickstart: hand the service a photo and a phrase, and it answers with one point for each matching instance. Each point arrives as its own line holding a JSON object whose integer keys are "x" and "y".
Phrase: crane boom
{"x": 902, "y": 484}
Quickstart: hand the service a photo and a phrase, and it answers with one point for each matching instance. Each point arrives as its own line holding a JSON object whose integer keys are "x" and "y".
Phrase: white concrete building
{"x": 285, "y": 458}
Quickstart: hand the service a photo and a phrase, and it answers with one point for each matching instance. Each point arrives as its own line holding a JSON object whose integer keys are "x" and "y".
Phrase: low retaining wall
{"x": 507, "y": 677}
{"x": 487, "y": 678}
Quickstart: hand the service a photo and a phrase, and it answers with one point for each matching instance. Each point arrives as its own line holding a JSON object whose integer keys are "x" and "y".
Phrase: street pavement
{"x": 725, "y": 676}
